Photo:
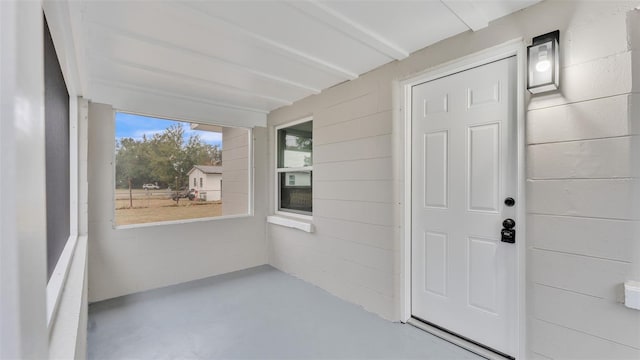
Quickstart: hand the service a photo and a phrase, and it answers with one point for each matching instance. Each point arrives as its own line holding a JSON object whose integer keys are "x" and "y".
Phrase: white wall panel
{"x": 365, "y": 212}
{"x": 586, "y": 42}
{"x": 363, "y": 127}
{"x": 601, "y": 158}
{"x": 582, "y": 274}
{"x": 538, "y": 356}
{"x": 598, "y": 118}
{"x": 373, "y": 235}
{"x": 124, "y": 261}
{"x": 367, "y": 256}
{"x": 365, "y": 148}
{"x": 368, "y": 169}
{"x": 235, "y": 176}
{"x": 581, "y": 165}
{"x": 372, "y": 279}
{"x": 23, "y": 230}
{"x": 577, "y": 344}
{"x": 602, "y": 198}
{"x": 359, "y": 190}
{"x": 600, "y": 238}
{"x": 348, "y": 110}
{"x": 602, "y": 318}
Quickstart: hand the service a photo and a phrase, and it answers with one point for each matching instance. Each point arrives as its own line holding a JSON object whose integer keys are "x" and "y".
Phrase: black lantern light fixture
{"x": 544, "y": 63}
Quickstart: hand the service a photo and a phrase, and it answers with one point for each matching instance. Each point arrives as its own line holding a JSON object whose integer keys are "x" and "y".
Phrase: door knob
{"x": 508, "y": 224}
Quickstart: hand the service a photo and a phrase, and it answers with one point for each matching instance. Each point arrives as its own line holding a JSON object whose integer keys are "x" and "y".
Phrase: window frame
{"x": 250, "y": 172}
{"x": 278, "y": 170}
{"x": 57, "y": 280}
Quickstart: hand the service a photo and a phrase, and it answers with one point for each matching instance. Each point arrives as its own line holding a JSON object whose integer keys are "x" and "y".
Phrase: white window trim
{"x": 58, "y": 278}
{"x": 57, "y": 281}
{"x": 291, "y": 223}
{"x": 280, "y": 170}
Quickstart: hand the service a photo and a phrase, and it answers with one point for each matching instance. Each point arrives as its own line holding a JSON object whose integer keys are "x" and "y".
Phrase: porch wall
{"x": 126, "y": 261}
{"x": 582, "y": 189}
{"x": 235, "y": 164}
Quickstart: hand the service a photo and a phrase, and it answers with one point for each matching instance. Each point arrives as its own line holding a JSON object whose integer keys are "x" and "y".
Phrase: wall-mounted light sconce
{"x": 544, "y": 63}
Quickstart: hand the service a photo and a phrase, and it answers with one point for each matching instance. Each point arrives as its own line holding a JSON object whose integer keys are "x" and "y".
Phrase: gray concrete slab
{"x": 259, "y": 313}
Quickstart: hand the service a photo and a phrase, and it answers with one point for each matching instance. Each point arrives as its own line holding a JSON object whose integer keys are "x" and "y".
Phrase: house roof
{"x": 207, "y": 169}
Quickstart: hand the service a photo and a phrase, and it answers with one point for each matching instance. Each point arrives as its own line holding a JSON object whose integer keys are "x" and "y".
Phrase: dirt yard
{"x": 156, "y": 205}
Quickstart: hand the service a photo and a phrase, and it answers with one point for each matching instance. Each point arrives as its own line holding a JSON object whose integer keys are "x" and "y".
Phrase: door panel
{"x": 435, "y": 269}
{"x": 483, "y": 94}
{"x": 483, "y": 173}
{"x": 436, "y": 179}
{"x": 463, "y": 166}
{"x": 482, "y": 274}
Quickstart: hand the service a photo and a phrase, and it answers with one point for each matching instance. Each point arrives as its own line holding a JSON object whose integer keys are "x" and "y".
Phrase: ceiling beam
{"x": 178, "y": 47}
{"x": 276, "y": 46}
{"x": 350, "y": 28}
{"x": 468, "y": 13}
{"x": 190, "y": 79}
{"x": 124, "y": 97}
{"x": 142, "y": 89}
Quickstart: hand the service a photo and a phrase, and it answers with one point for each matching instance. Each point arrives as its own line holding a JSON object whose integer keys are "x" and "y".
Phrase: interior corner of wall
{"x": 633, "y": 29}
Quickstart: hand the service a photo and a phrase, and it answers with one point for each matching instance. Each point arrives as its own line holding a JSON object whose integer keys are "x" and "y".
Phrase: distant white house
{"x": 206, "y": 181}
{"x": 297, "y": 179}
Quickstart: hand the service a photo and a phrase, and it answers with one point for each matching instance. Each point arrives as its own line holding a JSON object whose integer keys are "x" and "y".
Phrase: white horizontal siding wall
{"x": 125, "y": 261}
{"x": 351, "y": 253}
{"x": 583, "y": 196}
{"x": 583, "y": 238}
{"x": 235, "y": 176}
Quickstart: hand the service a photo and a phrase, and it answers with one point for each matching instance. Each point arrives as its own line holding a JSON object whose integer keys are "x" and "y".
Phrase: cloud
{"x": 136, "y": 126}
{"x": 137, "y": 134}
{"x": 209, "y": 137}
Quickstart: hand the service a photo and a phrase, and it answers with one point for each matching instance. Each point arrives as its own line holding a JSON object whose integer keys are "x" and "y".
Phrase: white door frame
{"x": 403, "y": 87}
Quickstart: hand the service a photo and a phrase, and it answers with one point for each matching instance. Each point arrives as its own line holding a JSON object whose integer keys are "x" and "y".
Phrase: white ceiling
{"x": 231, "y": 62}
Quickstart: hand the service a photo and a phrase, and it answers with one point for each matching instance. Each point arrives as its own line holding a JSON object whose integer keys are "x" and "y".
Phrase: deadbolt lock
{"x": 508, "y": 233}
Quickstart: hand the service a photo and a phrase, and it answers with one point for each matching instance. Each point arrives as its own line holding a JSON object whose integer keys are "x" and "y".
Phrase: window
{"x": 56, "y": 118}
{"x": 294, "y": 170}
{"x": 157, "y": 161}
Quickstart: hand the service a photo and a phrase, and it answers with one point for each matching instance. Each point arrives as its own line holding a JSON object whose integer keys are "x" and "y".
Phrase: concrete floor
{"x": 259, "y": 313}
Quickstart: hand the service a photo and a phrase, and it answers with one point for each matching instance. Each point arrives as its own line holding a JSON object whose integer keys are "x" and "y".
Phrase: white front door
{"x": 464, "y": 166}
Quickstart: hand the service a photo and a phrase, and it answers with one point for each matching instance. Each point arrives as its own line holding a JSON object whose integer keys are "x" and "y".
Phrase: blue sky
{"x": 134, "y": 126}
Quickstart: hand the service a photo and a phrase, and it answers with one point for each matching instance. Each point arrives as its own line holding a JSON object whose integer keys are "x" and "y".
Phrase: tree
{"x": 130, "y": 163}
{"x": 163, "y": 158}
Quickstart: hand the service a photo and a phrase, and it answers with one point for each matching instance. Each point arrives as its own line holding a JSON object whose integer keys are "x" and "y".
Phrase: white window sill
{"x": 181, "y": 221}
{"x": 291, "y": 223}
{"x": 56, "y": 284}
